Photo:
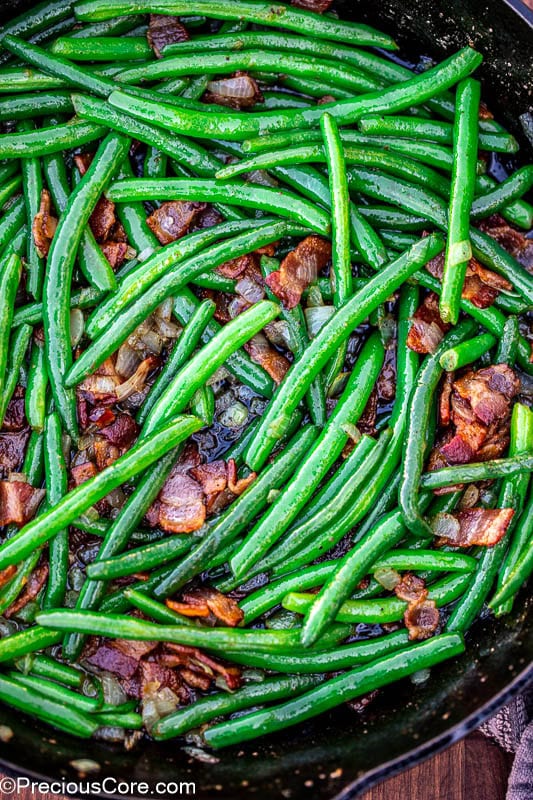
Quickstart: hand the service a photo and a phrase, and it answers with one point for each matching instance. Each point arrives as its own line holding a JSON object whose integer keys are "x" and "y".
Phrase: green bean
{"x": 53, "y": 691}
{"x": 59, "y": 67}
{"x": 18, "y": 346}
{"x": 46, "y": 667}
{"x": 27, "y": 641}
{"x": 180, "y": 353}
{"x": 519, "y": 571}
{"x": 31, "y": 105}
{"x": 275, "y": 201}
{"x": 508, "y": 345}
{"x": 519, "y": 213}
{"x": 12, "y": 221}
{"x": 99, "y": 527}
{"x": 208, "y": 708}
{"x": 49, "y": 140}
{"x": 385, "y": 503}
{"x": 32, "y": 187}
{"x": 342, "y": 267}
{"x": 322, "y": 456}
{"x": 482, "y": 471}
{"x": 346, "y": 319}
{"x": 137, "y": 459}
{"x": 390, "y": 162}
{"x": 228, "y": 525}
{"x": 203, "y": 404}
{"x": 228, "y": 62}
{"x": 276, "y": 15}
{"x": 8, "y": 169}
{"x": 155, "y": 610}
{"x": 168, "y": 285}
{"x": 417, "y": 427}
{"x": 206, "y": 361}
{"x": 60, "y": 263}
{"x": 12, "y": 590}
{"x": 133, "y": 219}
{"x": 458, "y": 247}
{"x": 237, "y": 127}
{"x": 56, "y": 488}
{"x": 9, "y": 280}
{"x": 15, "y": 694}
{"x": 23, "y": 79}
{"x": 110, "y": 719}
{"x": 344, "y": 657}
{"x": 336, "y": 691}
{"x": 432, "y": 560}
{"x": 217, "y": 639}
{"x": 148, "y": 271}
{"x": 7, "y": 190}
{"x": 511, "y": 189}
{"x": 141, "y": 558}
{"x": 117, "y": 537}
{"x": 437, "y": 131}
{"x": 33, "y": 466}
{"x": 467, "y": 352}
{"x": 105, "y": 48}
{"x": 512, "y": 495}
{"x": 239, "y": 363}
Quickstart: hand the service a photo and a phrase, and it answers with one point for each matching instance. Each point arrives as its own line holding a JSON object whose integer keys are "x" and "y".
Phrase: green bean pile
{"x": 332, "y": 521}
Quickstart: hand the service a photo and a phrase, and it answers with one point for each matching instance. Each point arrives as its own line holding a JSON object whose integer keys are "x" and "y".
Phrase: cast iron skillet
{"x": 344, "y": 753}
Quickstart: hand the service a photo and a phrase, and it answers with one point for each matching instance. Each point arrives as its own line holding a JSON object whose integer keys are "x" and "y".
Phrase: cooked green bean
{"x": 467, "y": 352}
{"x": 32, "y": 187}
{"x": 18, "y": 346}
{"x": 32, "y": 105}
{"x": 483, "y": 471}
{"x": 105, "y": 48}
{"x": 520, "y": 570}
{"x": 508, "y": 345}
{"x": 35, "y": 398}
{"x": 46, "y": 667}
{"x": 9, "y": 280}
{"x": 336, "y": 691}
{"x": 56, "y": 488}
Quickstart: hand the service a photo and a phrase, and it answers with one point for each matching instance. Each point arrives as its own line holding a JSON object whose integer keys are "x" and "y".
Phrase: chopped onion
{"x": 250, "y": 289}
{"x": 164, "y": 311}
{"x": 352, "y": 431}
{"x": 278, "y": 334}
{"x": 421, "y": 676}
{"x": 388, "y": 578}
{"x": 471, "y": 497}
{"x": 218, "y": 377}
{"x": 446, "y": 525}
{"x": 17, "y": 477}
{"x": 114, "y": 694}
{"x": 157, "y": 702}
{"x": 235, "y": 416}
{"x": 128, "y": 360}
{"x": 77, "y": 325}
{"x": 261, "y": 177}
{"x": 316, "y": 317}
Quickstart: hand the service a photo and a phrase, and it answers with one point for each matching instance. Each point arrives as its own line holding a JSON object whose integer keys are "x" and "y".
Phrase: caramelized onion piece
{"x": 44, "y": 225}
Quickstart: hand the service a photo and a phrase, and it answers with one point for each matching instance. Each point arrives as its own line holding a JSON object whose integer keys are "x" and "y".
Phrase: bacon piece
{"x": 15, "y": 416}
{"x": 34, "y": 585}
{"x": 367, "y": 420}
{"x": 115, "y": 252}
{"x": 83, "y": 162}
{"x": 18, "y": 502}
{"x": 318, "y": 6}
{"x": 237, "y": 266}
{"x": 479, "y": 526}
{"x": 112, "y": 659}
{"x": 83, "y": 472}
{"x": 122, "y": 431}
{"x": 489, "y": 391}
{"x": 173, "y": 219}
{"x": 238, "y": 485}
{"x": 411, "y": 588}
{"x": 261, "y": 351}
{"x": 238, "y": 91}
{"x": 511, "y": 239}
{"x": 212, "y": 477}
{"x": 445, "y": 409}
{"x": 298, "y": 269}
{"x": 12, "y": 448}
{"x": 103, "y": 219}
{"x": 205, "y": 601}
{"x": 427, "y": 327}
{"x": 44, "y": 225}
{"x": 100, "y": 387}
{"x": 7, "y": 573}
{"x": 481, "y": 286}
{"x": 421, "y": 619}
{"x": 182, "y": 655}
{"x": 163, "y": 30}
{"x": 102, "y": 416}
{"x": 180, "y": 506}
{"x": 207, "y": 218}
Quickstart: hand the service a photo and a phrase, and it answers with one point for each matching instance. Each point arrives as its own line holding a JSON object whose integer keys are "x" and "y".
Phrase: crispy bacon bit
{"x": 204, "y": 602}
{"x": 34, "y": 585}
{"x": 318, "y": 6}
{"x": 102, "y": 219}
{"x": 163, "y": 30}
{"x": 180, "y": 506}
{"x": 44, "y": 225}
{"x": 299, "y": 269}
{"x": 237, "y": 266}
{"x": 207, "y": 218}
{"x": 511, "y": 239}
{"x": 238, "y": 485}
{"x": 121, "y": 432}
{"x": 488, "y": 391}
{"x": 484, "y": 111}
{"x": 367, "y": 420}
{"x": 421, "y": 617}
{"x": 427, "y": 327}
{"x": 172, "y": 220}
{"x": 445, "y": 411}
{"x": 361, "y": 703}
{"x": 15, "y": 416}
{"x": 115, "y": 252}
{"x": 112, "y": 659}
{"x": 481, "y": 286}
{"x": 101, "y": 416}
{"x": 83, "y": 472}
{"x": 238, "y": 91}
{"x": 261, "y": 351}
{"x": 18, "y": 502}
{"x": 212, "y": 477}
{"x": 477, "y": 526}
{"x": 12, "y": 448}
{"x": 192, "y": 657}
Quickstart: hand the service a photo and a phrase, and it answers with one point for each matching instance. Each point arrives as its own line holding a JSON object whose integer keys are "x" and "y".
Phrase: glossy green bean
{"x": 509, "y": 190}
{"x": 417, "y": 426}
{"x": 54, "y": 691}
{"x": 49, "y": 140}
{"x": 18, "y": 346}
{"x": 432, "y": 560}
{"x": 35, "y": 105}
{"x": 32, "y": 181}
{"x": 56, "y": 488}
{"x": 321, "y": 348}
{"x": 519, "y": 212}
{"x": 275, "y": 15}
{"x": 520, "y": 570}
{"x": 141, "y": 456}
{"x": 33, "y": 466}
{"x": 458, "y": 247}
{"x": 47, "y": 667}
{"x": 140, "y": 558}
{"x": 27, "y": 641}
{"x": 105, "y": 48}
{"x": 8, "y": 189}
{"x": 60, "y": 264}
{"x": 206, "y": 361}
{"x": 233, "y": 127}
{"x": 508, "y": 344}
{"x": 467, "y": 352}
{"x": 35, "y": 397}
{"x": 336, "y": 691}
{"x": 274, "y": 201}
{"x": 434, "y": 130}
{"x": 482, "y": 471}
{"x": 11, "y": 222}
{"x": 322, "y": 456}
{"x": 216, "y": 639}
{"x": 10, "y": 271}
{"x": 169, "y": 285}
